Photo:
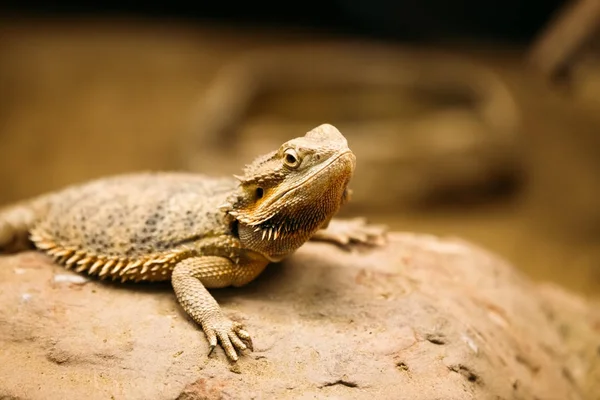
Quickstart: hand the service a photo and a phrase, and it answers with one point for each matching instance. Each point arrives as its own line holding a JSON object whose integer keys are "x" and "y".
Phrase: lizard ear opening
{"x": 259, "y": 193}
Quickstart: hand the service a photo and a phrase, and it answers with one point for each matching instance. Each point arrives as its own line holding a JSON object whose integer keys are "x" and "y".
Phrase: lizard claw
{"x": 230, "y": 334}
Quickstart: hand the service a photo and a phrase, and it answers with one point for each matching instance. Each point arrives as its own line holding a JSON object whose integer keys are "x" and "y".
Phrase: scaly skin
{"x": 197, "y": 231}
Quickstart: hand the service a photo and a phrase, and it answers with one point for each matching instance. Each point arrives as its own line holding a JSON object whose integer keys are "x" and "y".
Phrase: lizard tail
{"x": 15, "y": 222}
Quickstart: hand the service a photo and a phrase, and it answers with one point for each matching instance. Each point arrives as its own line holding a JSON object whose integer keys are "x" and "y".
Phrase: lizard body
{"x": 197, "y": 231}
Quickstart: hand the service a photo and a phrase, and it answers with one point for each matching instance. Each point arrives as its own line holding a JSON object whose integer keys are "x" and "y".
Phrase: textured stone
{"x": 421, "y": 318}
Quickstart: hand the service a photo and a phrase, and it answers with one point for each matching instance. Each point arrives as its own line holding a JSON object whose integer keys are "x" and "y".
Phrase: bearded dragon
{"x": 197, "y": 231}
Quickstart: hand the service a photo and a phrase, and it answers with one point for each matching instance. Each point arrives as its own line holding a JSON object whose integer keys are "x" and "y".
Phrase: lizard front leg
{"x": 346, "y": 231}
{"x": 190, "y": 279}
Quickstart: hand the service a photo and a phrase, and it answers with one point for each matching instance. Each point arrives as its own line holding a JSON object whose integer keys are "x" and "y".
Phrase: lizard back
{"x": 132, "y": 227}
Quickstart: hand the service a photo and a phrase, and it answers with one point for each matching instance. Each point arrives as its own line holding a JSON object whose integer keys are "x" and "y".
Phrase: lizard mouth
{"x": 278, "y": 196}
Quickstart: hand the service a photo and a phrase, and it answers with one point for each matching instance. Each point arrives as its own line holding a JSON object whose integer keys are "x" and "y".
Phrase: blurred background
{"x": 468, "y": 118}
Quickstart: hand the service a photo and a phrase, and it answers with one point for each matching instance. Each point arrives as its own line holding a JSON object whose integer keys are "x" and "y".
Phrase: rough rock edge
{"x": 425, "y": 317}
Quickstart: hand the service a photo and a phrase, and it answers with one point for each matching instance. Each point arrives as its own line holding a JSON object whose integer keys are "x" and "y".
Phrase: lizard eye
{"x": 290, "y": 158}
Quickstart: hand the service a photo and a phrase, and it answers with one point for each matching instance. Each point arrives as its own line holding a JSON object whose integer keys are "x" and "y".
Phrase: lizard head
{"x": 286, "y": 195}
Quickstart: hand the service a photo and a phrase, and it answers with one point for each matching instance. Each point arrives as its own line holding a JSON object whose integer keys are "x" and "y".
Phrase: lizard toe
{"x": 237, "y": 342}
{"x": 212, "y": 340}
{"x": 229, "y": 334}
{"x": 245, "y": 337}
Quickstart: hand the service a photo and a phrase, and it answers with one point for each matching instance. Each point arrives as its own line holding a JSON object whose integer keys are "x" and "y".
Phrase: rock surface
{"x": 422, "y": 318}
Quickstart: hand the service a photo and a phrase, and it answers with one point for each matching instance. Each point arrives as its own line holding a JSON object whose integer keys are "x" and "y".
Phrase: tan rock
{"x": 423, "y": 318}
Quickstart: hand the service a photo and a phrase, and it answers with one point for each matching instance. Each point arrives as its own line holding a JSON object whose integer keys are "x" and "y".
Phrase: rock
{"x": 421, "y": 318}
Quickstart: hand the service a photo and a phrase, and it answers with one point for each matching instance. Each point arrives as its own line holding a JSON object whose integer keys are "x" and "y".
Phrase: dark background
{"x": 421, "y": 20}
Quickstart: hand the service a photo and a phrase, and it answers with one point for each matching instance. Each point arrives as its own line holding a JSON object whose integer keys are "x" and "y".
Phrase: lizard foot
{"x": 345, "y": 232}
{"x": 230, "y": 334}
{"x": 203, "y": 308}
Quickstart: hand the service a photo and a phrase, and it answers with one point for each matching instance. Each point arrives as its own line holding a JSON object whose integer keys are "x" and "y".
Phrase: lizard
{"x": 198, "y": 231}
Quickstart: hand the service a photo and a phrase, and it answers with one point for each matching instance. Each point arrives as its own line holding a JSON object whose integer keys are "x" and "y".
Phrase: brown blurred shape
{"x": 561, "y": 44}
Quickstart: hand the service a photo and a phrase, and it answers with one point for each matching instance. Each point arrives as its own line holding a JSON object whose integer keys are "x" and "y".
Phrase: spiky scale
{"x": 81, "y": 267}
{"x": 105, "y": 268}
{"x": 45, "y": 245}
{"x": 85, "y": 260}
{"x": 95, "y": 266}
{"x": 131, "y": 266}
{"x": 117, "y": 267}
{"x": 155, "y": 268}
{"x": 63, "y": 253}
{"x": 109, "y": 264}
{"x": 72, "y": 260}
